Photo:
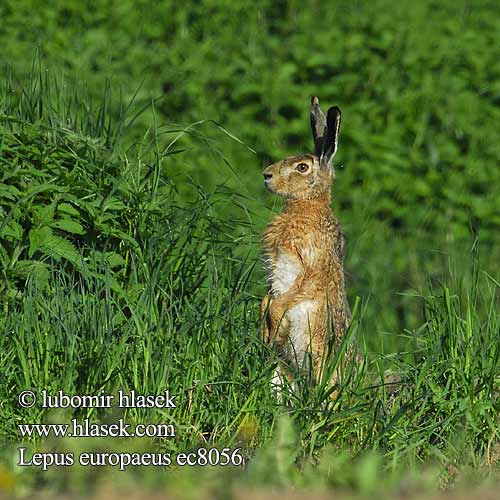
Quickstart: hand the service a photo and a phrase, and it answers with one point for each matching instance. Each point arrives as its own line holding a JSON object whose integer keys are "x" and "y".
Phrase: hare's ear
{"x": 331, "y": 136}
{"x": 318, "y": 126}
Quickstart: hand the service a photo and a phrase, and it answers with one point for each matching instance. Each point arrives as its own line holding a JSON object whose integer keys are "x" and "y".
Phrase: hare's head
{"x": 308, "y": 176}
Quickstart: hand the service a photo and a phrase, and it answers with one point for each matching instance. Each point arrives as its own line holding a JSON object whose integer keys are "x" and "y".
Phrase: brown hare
{"x": 304, "y": 253}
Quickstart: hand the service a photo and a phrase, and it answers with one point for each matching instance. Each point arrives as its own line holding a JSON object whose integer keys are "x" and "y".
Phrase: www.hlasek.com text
{"x": 86, "y": 428}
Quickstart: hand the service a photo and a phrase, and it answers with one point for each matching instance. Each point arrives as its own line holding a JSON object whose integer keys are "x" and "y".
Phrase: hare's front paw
{"x": 277, "y": 322}
{"x": 264, "y": 317}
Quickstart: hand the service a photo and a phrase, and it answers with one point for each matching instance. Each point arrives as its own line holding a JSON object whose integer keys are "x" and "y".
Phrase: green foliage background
{"x": 133, "y": 135}
{"x": 418, "y": 83}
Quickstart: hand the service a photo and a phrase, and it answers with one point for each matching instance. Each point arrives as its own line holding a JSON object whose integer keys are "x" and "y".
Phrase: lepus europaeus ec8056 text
{"x": 304, "y": 252}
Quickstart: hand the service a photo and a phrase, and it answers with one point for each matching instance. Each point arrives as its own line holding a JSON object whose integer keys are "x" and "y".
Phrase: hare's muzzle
{"x": 268, "y": 177}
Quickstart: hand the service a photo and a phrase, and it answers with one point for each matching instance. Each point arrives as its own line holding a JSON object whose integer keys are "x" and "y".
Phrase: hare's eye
{"x": 302, "y": 167}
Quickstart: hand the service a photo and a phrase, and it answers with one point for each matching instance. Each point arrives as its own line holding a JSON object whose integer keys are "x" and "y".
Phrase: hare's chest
{"x": 283, "y": 268}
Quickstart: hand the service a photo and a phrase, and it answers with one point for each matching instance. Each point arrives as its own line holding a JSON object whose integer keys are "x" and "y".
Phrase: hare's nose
{"x": 267, "y": 176}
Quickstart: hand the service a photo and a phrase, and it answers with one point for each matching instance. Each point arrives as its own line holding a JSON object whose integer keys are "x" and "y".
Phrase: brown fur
{"x": 304, "y": 252}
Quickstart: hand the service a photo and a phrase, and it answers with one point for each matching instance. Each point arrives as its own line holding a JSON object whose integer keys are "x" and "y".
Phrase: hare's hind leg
{"x": 321, "y": 358}
{"x": 331, "y": 383}
{"x": 280, "y": 378}
{"x": 277, "y": 384}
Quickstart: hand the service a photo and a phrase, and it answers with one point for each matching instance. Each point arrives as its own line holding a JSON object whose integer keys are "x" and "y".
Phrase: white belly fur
{"x": 301, "y": 317}
{"x": 284, "y": 272}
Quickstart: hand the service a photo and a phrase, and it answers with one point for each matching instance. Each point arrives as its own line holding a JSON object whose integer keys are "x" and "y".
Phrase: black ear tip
{"x": 334, "y": 111}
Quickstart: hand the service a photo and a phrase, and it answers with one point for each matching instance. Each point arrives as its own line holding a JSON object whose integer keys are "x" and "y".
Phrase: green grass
{"x": 112, "y": 280}
{"x": 417, "y": 82}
